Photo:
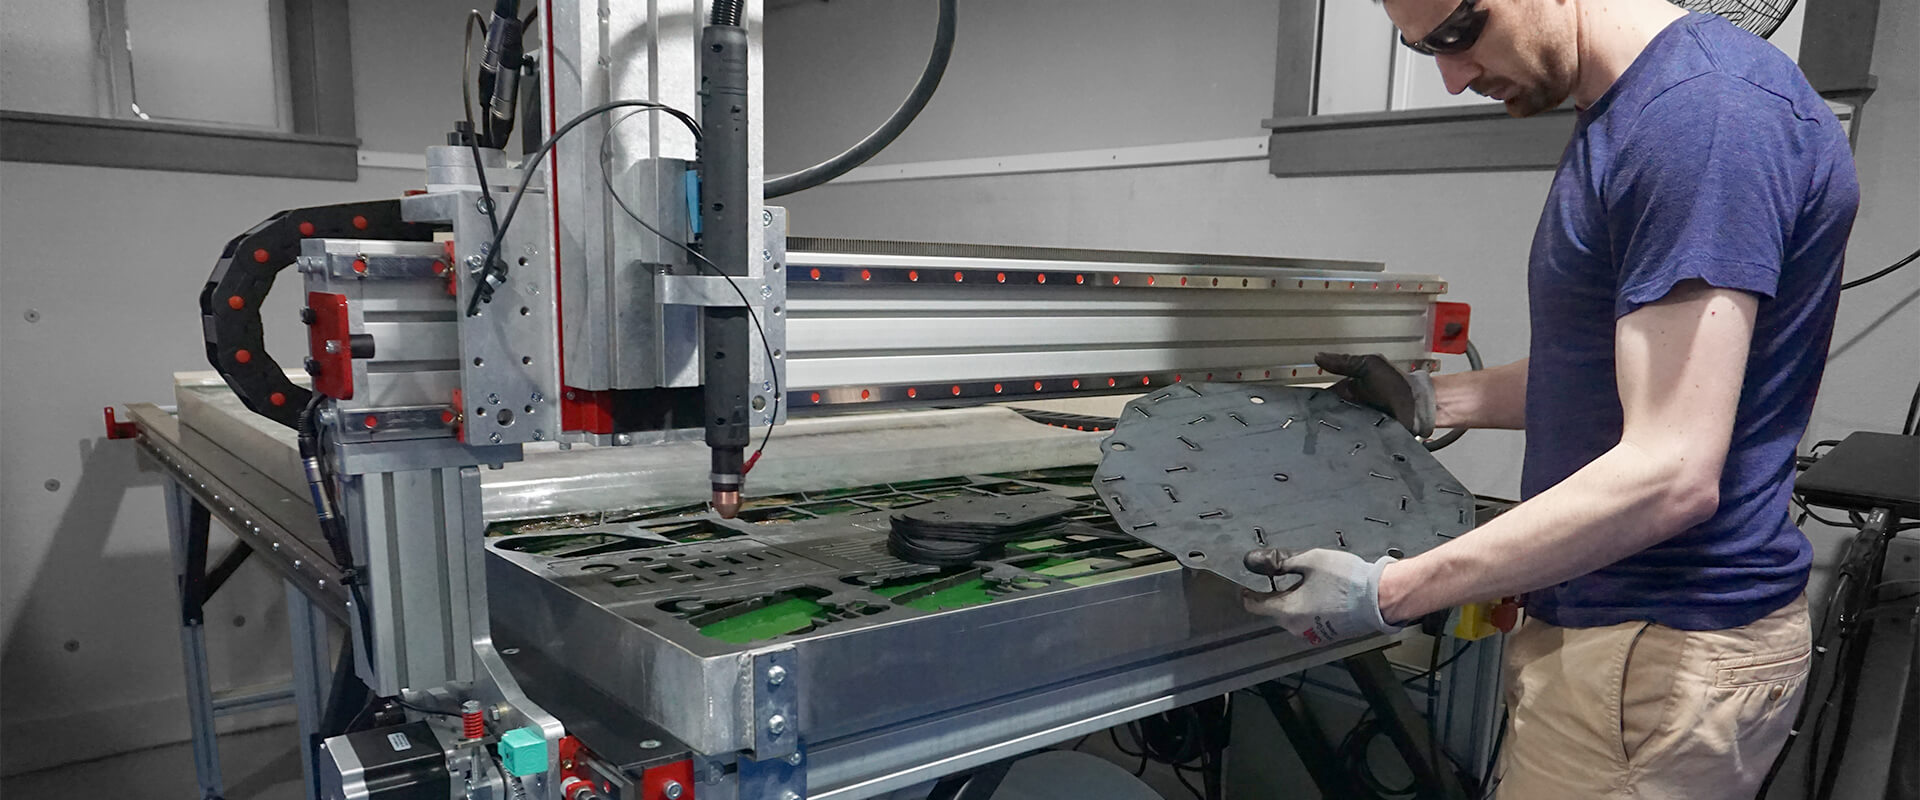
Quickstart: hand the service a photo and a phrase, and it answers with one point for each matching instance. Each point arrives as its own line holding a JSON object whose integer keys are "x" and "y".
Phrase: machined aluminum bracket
{"x": 1210, "y": 471}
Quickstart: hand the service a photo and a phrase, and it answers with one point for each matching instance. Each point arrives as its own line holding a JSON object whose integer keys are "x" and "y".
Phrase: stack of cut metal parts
{"x": 962, "y": 530}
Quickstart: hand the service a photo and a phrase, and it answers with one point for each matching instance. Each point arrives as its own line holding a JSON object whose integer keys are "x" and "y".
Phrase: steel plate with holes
{"x": 1210, "y": 471}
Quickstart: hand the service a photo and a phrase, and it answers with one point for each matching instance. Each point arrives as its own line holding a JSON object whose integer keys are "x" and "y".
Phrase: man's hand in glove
{"x": 1371, "y": 380}
{"x": 1337, "y": 598}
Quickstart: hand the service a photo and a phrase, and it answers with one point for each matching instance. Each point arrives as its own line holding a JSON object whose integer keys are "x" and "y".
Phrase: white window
{"x": 196, "y": 62}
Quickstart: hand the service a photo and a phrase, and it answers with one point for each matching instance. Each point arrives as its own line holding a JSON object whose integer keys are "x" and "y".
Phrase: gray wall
{"x": 1025, "y": 77}
{"x": 112, "y": 261}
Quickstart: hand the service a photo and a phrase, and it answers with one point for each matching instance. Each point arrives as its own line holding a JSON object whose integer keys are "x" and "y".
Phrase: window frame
{"x": 1836, "y": 52}
{"x": 320, "y": 143}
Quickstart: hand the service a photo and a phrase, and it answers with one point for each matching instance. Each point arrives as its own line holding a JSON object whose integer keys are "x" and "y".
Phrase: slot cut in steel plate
{"x": 1210, "y": 471}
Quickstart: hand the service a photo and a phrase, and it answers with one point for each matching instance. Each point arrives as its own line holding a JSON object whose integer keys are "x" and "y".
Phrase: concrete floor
{"x": 260, "y": 764}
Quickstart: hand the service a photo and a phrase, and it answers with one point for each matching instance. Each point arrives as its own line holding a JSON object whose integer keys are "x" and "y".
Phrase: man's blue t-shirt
{"x": 1709, "y": 159}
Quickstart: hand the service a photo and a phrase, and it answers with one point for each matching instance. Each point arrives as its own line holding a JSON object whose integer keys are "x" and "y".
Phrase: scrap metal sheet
{"x": 1210, "y": 471}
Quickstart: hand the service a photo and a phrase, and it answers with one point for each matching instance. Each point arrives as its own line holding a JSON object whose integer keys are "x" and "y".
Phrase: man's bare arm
{"x": 1488, "y": 398}
{"x": 1679, "y": 364}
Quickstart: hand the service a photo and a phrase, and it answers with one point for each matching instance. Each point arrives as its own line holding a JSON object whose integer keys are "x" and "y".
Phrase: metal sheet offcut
{"x": 1210, "y": 471}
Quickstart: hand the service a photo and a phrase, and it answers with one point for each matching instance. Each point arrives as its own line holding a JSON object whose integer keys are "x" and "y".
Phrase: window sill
{"x": 129, "y": 144}
{"x": 1423, "y": 140}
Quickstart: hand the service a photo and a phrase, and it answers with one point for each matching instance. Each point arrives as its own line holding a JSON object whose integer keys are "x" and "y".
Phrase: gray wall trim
{"x": 320, "y": 92}
{"x": 1836, "y": 46}
{"x": 320, "y": 66}
{"x": 1296, "y": 58}
{"x": 1426, "y": 140}
{"x": 89, "y": 141}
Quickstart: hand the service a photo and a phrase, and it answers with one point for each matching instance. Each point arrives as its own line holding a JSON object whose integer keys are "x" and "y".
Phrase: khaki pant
{"x": 1646, "y": 711}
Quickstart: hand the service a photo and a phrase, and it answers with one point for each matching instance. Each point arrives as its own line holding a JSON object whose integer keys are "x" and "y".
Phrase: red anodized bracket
{"x": 331, "y": 325}
{"x": 117, "y": 429}
{"x": 1449, "y": 332}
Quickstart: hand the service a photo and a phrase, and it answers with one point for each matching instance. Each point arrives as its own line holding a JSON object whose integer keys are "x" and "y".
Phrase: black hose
{"x": 888, "y": 131}
{"x": 1473, "y": 360}
{"x": 1911, "y": 426}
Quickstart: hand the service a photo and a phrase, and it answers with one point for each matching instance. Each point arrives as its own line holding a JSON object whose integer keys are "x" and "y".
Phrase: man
{"x": 1682, "y": 282}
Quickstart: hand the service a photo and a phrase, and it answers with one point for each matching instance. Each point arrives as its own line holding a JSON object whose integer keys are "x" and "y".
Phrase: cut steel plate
{"x": 1210, "y": 471}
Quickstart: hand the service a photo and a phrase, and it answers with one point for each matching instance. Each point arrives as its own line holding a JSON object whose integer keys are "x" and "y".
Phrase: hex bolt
{"x": 537, "y": 397}
{"x": 766, "y": 218}
{"x": 476, "y": 262}
{"x": 480, "y": 203}
{"x": 672, "y": 790}
{"x": 766, "y": 292}
{"x": 716, "y": 772}
{"x": 776, "y": 675}
{"x": 766, "y": 255}
{"x": 494, "y": 438}
{"x": 493, "y": 398}
{"x": 794, "y": 760}
{"x": 539, "y": 435}
{"x": 776, "y": 724}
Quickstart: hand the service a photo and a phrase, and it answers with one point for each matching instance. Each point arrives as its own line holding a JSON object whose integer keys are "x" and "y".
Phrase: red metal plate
{"x": 330, "y": 324}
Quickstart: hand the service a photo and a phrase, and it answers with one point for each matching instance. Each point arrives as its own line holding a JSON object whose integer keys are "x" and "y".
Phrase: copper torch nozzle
{"x": 726, "y": 504}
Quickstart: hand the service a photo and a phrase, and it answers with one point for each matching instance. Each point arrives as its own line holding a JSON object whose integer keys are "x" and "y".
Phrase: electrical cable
{"x": 1882, "y": 273}
{"x": 472, "y": 136}
{"x": 423, "y": 709}
{"x": 701, "y": 262}
{"x": 466, "y": 64}
{"x": 320, "y": 488}
{"x": 890, "y": 129}
{"x": 1806, "y": 512}
{"x": 1441, "y": 665}
{"x": 1473, "y": 360}
{"x": 495, "y": 268}
{"x": 1912, "y": 426}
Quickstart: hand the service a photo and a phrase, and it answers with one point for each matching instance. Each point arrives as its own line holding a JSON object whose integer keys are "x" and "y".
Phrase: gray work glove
{"x": 1371, "y": 380}
{"x": 1338, "y": 596}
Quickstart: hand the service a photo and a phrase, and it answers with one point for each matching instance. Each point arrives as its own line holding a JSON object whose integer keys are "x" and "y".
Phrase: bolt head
{"x": 766, "y": 292}
{"x": 766, "y": 255}
{"x": 776, "y": 675}
{"x": 494, "y": 438}
{"x": 776, "y": 724}
{"x": 493, "y": 399}
{"x": 623, "y": 439}
{"x": 672, "y": 790}
{"x": 476, "y": 261}
{"x": 537, "y": 397}
{"x": 649, "y": 744}
{"x": 794, "y": 760}
{"x": 766, "y": 217}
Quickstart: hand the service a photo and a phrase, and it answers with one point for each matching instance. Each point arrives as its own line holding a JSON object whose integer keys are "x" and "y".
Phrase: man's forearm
{"x": 1623, "y": 502}
{"x": 1487, "y": 398}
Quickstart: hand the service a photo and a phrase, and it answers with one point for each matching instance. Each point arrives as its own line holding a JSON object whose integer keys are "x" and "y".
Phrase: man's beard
{"x": 1533, "y": 101}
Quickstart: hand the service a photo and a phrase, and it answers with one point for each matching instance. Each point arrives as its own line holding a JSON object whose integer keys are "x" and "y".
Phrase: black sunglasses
{"x": 1455, "y": 34}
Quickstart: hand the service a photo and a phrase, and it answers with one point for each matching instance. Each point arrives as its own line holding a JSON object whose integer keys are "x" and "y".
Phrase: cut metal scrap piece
{"x": 1219, "y": 469}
